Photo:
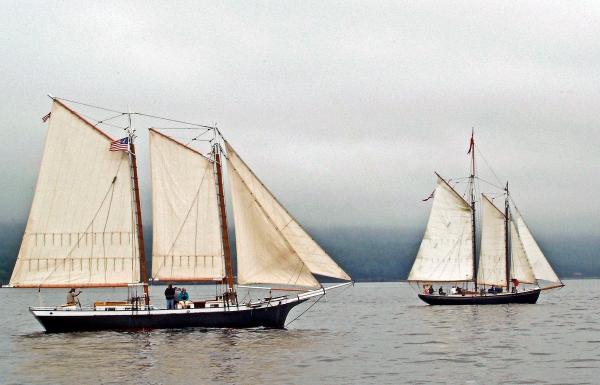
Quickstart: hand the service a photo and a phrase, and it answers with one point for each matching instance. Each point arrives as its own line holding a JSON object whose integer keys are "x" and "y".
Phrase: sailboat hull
{"x": 530, "y": 296}
{"x": 268, "y": 313}
{"x": 269, "y": 316}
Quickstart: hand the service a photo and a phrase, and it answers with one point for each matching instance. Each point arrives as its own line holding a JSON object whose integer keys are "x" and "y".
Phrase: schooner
{"x": 511, "y": 267}
{"x": 85, "y": 230}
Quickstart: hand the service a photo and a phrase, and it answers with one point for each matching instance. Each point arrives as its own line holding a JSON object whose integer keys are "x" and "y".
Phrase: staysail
{"x": 187, "y": 243}
{"x": 492, "y": 256}
{"x": 81, "y": 230}
{"x": 271, "y": 246}
{"x": 538, "y": 263}
{"x": 520, "y": 268}
{"x": 446, "y": 252}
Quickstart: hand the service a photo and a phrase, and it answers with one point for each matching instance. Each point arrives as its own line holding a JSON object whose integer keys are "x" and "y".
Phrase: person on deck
{"x": 441, "y": 291}
{"x": 430, "y": 290}
{"x": 170, "y": 297}
{"x": 453, "y": 290}
{"x": 184, "y": 299}
{"x": 72, "y": 297}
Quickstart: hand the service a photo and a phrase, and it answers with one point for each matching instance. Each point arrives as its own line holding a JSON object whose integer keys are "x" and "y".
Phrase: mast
{"x": 472, "y": 186}
{"x": 138, "y": 216}
{"x": 224, "y": 231}
{"x": 506, "y": 238}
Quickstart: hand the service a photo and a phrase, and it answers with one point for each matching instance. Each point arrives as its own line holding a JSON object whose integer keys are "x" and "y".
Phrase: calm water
{"x": 372, "y": 333}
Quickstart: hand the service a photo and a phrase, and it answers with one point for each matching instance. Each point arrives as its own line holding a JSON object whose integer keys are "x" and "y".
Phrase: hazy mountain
{"x": 370, "y": 254}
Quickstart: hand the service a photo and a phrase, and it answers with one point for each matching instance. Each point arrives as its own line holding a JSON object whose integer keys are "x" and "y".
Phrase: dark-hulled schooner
{"x": 84, "y": 230}
{"x": 511, "y": 267}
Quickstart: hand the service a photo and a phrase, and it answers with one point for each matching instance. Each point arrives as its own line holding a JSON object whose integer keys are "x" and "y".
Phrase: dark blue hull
{"x": 270, "y": 317}
{"x": 530, "y": 297}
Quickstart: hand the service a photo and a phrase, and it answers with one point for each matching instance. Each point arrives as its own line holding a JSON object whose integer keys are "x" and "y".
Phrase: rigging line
{"x": 111, "y": 118}
{"x": 105, "y": 225}
{"x": 197, "y": 136}
{"x": 88, "y": 105}
{"x": 490, "y": 183}
{"x": 173, "y": 120}
{"x": 489, "y": 166}
{"x": 132, "y": 113}
{"x": 307, "y": 309}
{"x": 181, "y": 128}
{"x": 101, "y": 122}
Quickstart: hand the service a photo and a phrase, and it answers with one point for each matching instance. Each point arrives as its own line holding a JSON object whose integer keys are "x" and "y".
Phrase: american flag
{"x": 46, "y": 117}
{"x": 120, "y": 144}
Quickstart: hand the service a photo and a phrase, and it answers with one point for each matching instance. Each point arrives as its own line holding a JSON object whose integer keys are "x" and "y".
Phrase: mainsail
{"x": 492, "y": 256}
{"x": 187, "y": 243}
{"x": 271, "y": 246}
{"x": 446, "y": 252}
{"x": 81, "y": 229}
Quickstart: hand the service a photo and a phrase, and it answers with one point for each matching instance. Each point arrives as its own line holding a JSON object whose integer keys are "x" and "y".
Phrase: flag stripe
{"x": 120, "y": 145}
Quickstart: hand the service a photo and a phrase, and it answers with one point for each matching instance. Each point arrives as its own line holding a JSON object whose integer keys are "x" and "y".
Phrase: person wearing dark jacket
{"x": 170, "y": 297}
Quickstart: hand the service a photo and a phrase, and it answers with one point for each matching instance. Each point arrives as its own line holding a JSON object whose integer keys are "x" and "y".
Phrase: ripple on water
{"x": 374, "y": 333}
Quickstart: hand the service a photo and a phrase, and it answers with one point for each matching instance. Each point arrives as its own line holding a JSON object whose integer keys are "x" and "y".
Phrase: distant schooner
{"x": 84, "y": 230}
{"x": 511, "y": 266}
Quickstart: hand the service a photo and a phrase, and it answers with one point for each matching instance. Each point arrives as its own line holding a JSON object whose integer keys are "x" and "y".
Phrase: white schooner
{"x": 511, "y": 267}
{"x": 85, "y": 230}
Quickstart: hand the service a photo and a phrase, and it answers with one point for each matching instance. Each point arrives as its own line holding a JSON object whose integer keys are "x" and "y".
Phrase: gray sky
{"x": 343, "y": 109}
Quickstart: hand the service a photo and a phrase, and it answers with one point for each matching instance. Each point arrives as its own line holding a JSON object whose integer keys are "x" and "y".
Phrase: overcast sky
{"x": 343, "y": 109}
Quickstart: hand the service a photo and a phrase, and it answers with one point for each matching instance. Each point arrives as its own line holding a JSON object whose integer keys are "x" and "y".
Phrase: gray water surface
{"x": 371, "y": 333}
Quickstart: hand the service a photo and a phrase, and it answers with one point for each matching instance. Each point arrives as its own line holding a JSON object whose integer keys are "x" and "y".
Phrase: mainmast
{"x": 472, "y": 186}
{"x": 506, "y": 238}
{"x": 216, "y": 149}
{"x": 138, "y": 215}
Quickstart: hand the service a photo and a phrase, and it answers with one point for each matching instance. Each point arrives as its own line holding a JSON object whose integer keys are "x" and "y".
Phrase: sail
{"x": 186, "y": 242}
{"x": 492, "y": 255}
{"x": 446, "y": 252}
{"x": 520, "y": 266}
{"x": 80, "y": 230}
{"x": 271, "y": 246}
{"x": 538, "y": 262}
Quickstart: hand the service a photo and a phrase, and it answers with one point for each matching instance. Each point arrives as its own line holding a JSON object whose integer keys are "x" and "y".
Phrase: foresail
{"x": 446, "y": 252}
{"x": 538, "y": 262}
{"x": 520, "y": 266}
{"x": 80, "y": 230}
{"x": 186, "y": 243}
{"x": 260, "y": 219}
{"x": 492, "y": 256}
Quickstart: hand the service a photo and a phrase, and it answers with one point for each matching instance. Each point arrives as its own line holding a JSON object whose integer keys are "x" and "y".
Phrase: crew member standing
{"x": 170, "y": 297}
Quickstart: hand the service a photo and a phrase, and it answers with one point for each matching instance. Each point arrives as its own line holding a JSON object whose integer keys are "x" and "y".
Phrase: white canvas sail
{"x": 271, "y": 246}
{"x": 446, "y": 252}
{"x": 186, "y": 243}
{"x": 80, "y": 230}
{"x": 539, "y": 264}
{"x": 520, "y": 266}
{"x": 492, "y": 257}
